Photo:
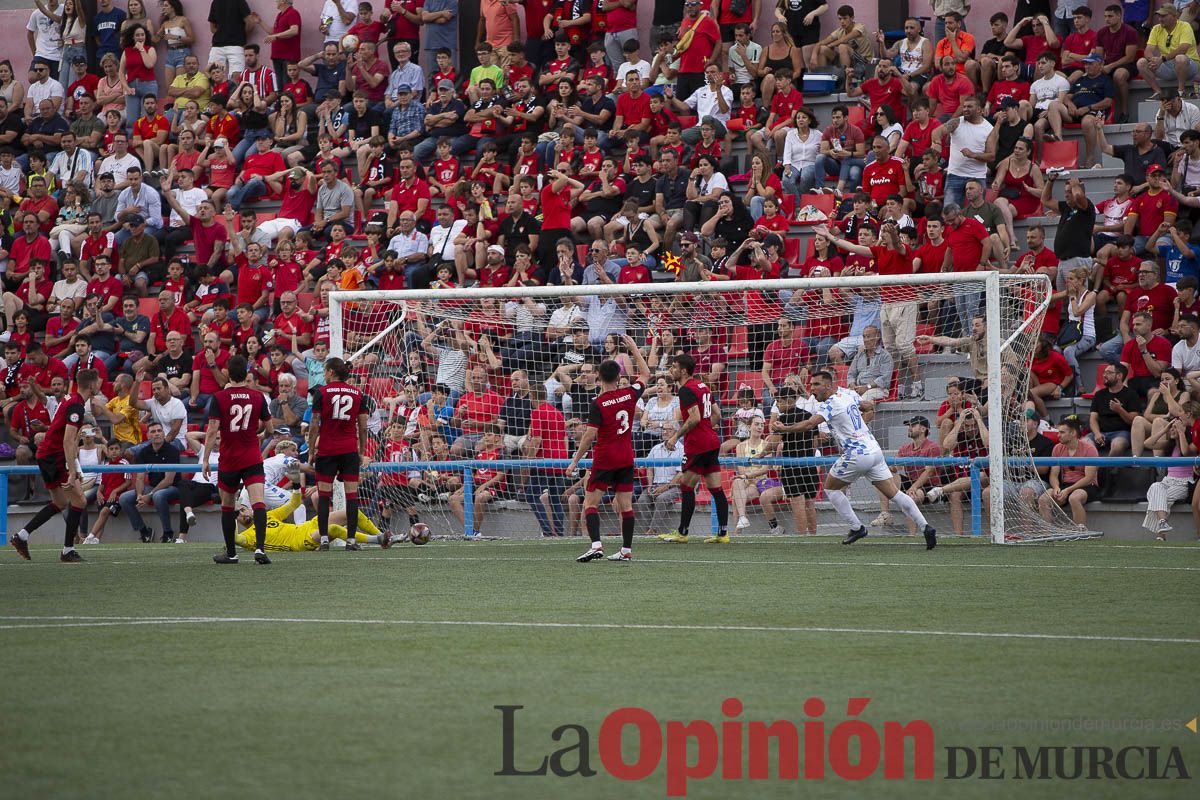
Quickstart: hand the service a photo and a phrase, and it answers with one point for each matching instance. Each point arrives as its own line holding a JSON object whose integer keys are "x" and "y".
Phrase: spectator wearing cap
{"x": 444, "y": 116}
{"x": 406, "y": 123}
{"x": 141, "y": 262}
{"x": 1174, "y": 117}
{"x": 1089, "y": 103}
{"x": 915, "y": 479}
{"x": 1073, "y": 486}
{"x": 1151, "y": 209}
{"x": 137, "y": 200}
{"x": 1010, "y": 127}
{"x": 1170, "y": 52}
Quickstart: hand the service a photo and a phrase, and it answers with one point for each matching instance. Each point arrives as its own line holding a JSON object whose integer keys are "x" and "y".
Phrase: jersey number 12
{"x": 341, "y": 407}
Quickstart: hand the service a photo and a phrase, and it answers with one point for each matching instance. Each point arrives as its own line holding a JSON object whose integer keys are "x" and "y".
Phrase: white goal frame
{"x": 993, "y": 283}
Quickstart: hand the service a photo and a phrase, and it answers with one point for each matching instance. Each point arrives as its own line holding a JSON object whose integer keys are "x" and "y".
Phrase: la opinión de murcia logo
{"x": 852, "y": 750}
{"x": 732, "y": 748}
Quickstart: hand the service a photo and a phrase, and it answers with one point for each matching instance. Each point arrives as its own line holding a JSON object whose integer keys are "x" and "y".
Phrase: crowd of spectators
{"x": 162, "y": 208}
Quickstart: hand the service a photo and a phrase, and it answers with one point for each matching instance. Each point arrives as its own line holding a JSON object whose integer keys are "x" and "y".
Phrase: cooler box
{"x": 815, "y": 82}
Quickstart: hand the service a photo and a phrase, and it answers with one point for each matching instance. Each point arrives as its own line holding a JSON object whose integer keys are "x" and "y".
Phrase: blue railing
{"x": 974, "y": 466}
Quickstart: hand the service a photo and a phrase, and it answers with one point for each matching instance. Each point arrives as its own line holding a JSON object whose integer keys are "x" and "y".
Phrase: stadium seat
{"x": 148, "y": 306}
{"x": 825, "y": 203}
{"x": 688, "y": 122}
{"x": 581, "y": 250}
{"x": 1099, "y": 385}
{"x": 787, "y": 206}
{"x": 752, "y": 379}
{"x": 857, "y": 115}
{"x": 791, "y": 251}
{"x": 305, "y": 300}
{"x": 737, "y": 342}
{"x": 1064, "y": 155}
{"x": 145, "y": 390}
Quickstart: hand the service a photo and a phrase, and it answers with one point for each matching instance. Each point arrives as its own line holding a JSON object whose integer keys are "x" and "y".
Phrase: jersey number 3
{"x": 239, "y": 418}
{"x": 622, "y": 422}
{"x": 341, "y": 407}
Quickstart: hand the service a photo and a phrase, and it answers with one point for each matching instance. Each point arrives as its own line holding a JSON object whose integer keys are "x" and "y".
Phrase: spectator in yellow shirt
{"x": 1170, "y": 53}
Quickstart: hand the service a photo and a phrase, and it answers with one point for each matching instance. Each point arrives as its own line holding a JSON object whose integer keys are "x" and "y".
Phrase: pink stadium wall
{"x": 13, "y": 44}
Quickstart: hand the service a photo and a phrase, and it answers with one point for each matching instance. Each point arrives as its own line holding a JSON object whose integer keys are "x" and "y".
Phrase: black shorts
{"x": 703, "y": 463}
{"x": 344, "y": 466}
{"x": 619, "y": 480}
{"x": 800, "y": 481}
{"x": 905, "y": 482}
{"x": 230, "y": 480}
{"x": 403, "y": 495}
{"x": 727, "y": 31}
{"x": 54, "y": 470}
{"x": 1093, "y": 494}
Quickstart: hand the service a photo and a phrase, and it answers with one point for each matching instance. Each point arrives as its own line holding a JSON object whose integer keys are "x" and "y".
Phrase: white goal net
{"x": 462, "y": 378}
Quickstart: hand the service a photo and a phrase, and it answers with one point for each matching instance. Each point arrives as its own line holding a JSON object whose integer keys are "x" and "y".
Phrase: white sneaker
{"x": 181, "y": 540}
{"x": 742, "y": 523}
{"x": 1163, "y": 527}
{"x": 884, "y": 519}
{"x": 933, "y": 495}
{"x": 191, "y": 519}
{"x": 91, "y": 540}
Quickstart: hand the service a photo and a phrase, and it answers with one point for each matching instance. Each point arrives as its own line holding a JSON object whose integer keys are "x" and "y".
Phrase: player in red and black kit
{"x": 701, "y": 448}
{"x": 610, "y": 426}
{"x": 239, "y": 413}
{"x": 338, "y": 437}
{"x": 58, "y": 461}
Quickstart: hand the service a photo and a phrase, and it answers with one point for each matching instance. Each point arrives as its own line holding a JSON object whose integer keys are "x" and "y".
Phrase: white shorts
{"x": 276, "y": 497}
{"x": 871, "y": 466}
{"x": 274, "y": 227}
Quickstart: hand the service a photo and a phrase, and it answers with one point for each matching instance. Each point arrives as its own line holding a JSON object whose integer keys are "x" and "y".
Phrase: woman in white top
{"x": 889, "y": 128}
{"x": 662, "y": 406}
{"x": 756, "y": 482}
{"x": 71, "y": 19}
{"x": 800, "y": 150}
{"x": 1081, "y": 308}
{"x": 703, "y": 191}
{"x": 11, "y": 89}
{"x": 176, "y": 31}
{"x": 91, "y": 446}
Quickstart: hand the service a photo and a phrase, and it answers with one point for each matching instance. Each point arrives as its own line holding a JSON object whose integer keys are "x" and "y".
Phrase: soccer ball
{"x": 419, "y": 533}
{"x": 349, "y": 43}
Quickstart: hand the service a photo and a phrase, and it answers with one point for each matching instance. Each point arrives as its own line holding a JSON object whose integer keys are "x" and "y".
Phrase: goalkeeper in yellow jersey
{"x": 285, "y": 536}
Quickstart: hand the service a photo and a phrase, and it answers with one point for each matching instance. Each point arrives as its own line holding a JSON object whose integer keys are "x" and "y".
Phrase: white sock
{"x": 23, "y": 535}
{"x": 257, "y": 551}
{"x": 324, "y": 540}
{"x": 597, "y": 545}
{"x": 842, "y": 503}
{"x": 625, "y": 551}
{"x": 910, "y": 509}
{"x": 67, "y": 550}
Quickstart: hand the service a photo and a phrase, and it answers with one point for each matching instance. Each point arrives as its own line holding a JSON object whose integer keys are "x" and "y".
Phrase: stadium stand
{"x": 230, "y": 190}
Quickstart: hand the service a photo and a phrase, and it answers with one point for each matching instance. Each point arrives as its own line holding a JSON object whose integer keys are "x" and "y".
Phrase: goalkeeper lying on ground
{"x": 282, "y": 535}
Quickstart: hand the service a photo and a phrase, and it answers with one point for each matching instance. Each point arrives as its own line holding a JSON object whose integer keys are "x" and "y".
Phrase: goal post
{"x": 387, "y": 335}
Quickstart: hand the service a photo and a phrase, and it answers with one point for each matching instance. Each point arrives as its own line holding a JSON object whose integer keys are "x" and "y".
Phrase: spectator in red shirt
{"x": 477, "y": 410}
{"x": 886, "y": 175}
{"x": 633, "y": 110}
{"x": 60, "y": 328}
{"x": 40, "y": 202}
{"x": 259, "y": 174}
{"x": 783, "y": 357}
{"x": 1151, "y": 296}
{"x": 208, "y": 371}
{"x": 31, "y": 295}
{"x": 1052, "y": 375}
{"x": 1151, "y": 209}
{"x": 29, "y": 246}
{"x": 170, "y": 318}
{"x": 698, "y": 38}
{"x": 947, "y": 89}
{"x": 970, "y": 251}
{"x": 546, "y": 439}
{"x": 1078, "y": 44}
{"x": 1146, "y": 355}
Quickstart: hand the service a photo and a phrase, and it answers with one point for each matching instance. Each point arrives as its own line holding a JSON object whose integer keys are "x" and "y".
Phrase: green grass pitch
{"x": 150, "y": 672}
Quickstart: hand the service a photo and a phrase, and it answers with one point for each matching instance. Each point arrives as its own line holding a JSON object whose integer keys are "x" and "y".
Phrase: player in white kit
{"x": 275, "y": 469}
{"x": 862, "y": 457}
